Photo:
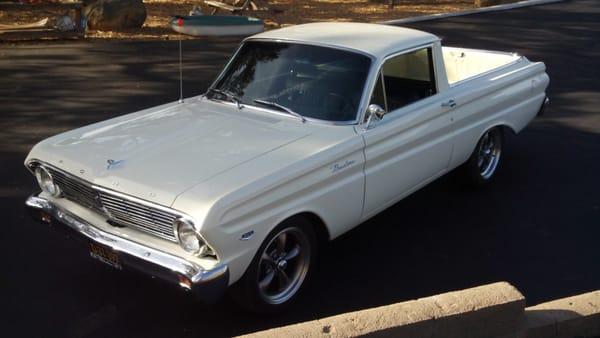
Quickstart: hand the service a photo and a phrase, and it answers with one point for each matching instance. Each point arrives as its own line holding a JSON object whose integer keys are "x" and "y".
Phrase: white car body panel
{"x": 155, "y": 144}
{"x": 372, "y": 39}
{"x": 239, "y": 170}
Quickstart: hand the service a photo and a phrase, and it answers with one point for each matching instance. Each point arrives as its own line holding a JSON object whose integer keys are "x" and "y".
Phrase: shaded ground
{"x": 276, "y": 13}
{"x": 536, "y": 227}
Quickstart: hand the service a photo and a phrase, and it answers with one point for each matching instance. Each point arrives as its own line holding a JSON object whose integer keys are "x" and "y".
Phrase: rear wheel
{"x": 280, "y": 269}
{"x": 485, "y": 160}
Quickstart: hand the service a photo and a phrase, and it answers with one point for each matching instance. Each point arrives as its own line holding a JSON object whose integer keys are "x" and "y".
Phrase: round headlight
{"x": 46, "y": 182}
{"x": 189, "y": 239}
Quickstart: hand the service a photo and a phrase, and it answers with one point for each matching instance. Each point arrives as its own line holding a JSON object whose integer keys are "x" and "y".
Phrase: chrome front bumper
{"x": 208, "y": 285}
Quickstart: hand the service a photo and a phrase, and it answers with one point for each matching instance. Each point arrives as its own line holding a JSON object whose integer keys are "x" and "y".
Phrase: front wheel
{"x": 280, "y": 269}
{"x": 485, "y": 160}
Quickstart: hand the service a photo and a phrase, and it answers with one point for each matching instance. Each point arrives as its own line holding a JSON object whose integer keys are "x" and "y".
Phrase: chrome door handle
{"x": 450, "y": 103}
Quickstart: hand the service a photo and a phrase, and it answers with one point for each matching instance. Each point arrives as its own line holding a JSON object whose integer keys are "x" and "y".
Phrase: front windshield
{"x": 313, "y": 81}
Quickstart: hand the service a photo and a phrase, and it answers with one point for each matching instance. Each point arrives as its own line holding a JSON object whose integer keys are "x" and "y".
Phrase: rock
{"x": 115, "y": 14}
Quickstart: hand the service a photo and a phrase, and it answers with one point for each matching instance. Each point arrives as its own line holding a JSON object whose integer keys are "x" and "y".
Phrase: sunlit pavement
{"x": 536, "y": 227}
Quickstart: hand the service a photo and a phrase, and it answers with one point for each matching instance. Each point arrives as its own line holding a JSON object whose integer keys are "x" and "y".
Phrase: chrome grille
{"x": 152, "y": 220}
{"x": 118, "y": 208}
{"x": 76, "y": 190}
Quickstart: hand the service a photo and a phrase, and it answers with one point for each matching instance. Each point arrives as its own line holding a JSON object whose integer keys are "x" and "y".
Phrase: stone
{"x": 115, "y": 14}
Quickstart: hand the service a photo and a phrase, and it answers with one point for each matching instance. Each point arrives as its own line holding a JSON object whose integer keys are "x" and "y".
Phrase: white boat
{"x": 216, "y": 25}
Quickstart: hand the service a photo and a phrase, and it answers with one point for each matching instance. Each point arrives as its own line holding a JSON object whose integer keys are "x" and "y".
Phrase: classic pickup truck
{"x": 308, "y": 131}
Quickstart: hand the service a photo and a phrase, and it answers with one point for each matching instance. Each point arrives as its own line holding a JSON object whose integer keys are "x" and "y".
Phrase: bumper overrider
{"x": 207, "y": 284}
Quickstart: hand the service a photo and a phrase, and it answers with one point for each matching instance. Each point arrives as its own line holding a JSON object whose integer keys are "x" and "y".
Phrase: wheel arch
{"x": 503, "y": 126}
{"x": 317, "y": 223}
{"x": 506, "y": 128}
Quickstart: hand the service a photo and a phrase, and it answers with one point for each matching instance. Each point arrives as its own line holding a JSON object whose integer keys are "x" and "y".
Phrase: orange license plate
{"x": 105, "y": 255}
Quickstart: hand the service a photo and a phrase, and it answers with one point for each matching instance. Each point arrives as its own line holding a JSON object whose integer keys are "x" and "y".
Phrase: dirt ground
{"x": 276, "y": 13}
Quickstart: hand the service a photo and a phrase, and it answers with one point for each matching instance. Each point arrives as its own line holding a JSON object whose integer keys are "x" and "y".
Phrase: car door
{"x": 411, "y": 144}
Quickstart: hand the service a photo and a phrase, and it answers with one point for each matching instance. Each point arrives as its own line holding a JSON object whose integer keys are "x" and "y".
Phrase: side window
{"x": 408, "y": 78}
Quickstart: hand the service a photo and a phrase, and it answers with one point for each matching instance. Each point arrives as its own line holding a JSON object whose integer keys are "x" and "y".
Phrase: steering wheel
{"x": 347, "y": 107}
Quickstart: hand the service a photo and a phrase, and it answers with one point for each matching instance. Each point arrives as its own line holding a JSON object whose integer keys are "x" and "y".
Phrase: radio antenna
{"x": 180, "y": 75}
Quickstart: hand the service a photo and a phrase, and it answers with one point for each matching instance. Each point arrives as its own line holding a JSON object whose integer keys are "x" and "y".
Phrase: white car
{"x": 309, "y": 131}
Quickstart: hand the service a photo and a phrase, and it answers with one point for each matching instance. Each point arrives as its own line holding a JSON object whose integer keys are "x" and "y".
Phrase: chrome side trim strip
{"x": 192, "y": 271}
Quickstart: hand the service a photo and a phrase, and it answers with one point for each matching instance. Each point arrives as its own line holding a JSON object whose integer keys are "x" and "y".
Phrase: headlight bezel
{"x": 46, "y": 181}
{"x": 184, "y": 228}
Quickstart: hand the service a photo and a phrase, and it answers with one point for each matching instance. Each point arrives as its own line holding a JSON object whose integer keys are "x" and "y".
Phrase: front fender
{"x": 329, "y": 183}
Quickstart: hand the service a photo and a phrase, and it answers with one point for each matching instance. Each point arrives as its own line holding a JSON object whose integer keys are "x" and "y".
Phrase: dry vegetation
{"x": 276, "y": 13}
{"x": 279, "y": 13}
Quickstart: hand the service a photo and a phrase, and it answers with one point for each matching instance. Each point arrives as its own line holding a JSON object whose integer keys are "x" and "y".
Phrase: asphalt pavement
{"x": 537, "y": 226}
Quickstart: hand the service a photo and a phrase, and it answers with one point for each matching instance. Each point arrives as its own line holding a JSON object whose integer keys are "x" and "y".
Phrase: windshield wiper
{"x": 227, "y": 94}
{"x": 281, "y": 107}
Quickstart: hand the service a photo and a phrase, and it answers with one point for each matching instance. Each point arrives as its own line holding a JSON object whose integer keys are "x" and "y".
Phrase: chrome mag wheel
{"x": 283, "y": 265}
{"x": 488, "y": 154}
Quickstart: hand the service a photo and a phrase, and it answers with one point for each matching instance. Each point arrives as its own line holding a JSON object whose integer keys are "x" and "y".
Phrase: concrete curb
{"x": 496, "y": 8}
{"x": 577, "y": 316}
{"x": 494, "y": 310}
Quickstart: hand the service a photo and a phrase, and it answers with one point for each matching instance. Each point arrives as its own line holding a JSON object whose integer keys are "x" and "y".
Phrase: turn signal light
{"x": 185, "y": 282}
{"x": 46, "y": 218}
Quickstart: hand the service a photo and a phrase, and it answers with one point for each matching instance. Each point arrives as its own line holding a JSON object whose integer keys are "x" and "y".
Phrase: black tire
{"x": 247, "y": 292}
{"x": 476, "y": 172}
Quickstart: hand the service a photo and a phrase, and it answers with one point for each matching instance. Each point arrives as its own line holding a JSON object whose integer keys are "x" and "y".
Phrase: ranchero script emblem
{"x": 341, "y": 166}
{"x": 113, "y": 163}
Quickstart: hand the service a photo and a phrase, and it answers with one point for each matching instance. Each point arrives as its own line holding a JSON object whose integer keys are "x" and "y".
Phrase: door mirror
{"x": 374, "y": 111}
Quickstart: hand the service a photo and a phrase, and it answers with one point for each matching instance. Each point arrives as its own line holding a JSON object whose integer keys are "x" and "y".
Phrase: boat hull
{"x": 210, "y": 26}
{"x": 218, "y": 30}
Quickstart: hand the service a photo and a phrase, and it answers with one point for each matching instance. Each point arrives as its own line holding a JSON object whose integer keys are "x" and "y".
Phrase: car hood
{"x": 159, "y": 153}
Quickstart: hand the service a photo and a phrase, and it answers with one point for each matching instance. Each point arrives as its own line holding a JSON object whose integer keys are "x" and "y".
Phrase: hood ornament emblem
{"x": 113, "y": 163}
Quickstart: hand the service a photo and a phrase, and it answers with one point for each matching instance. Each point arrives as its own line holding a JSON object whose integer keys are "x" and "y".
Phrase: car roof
{"x": 374, "y": 39}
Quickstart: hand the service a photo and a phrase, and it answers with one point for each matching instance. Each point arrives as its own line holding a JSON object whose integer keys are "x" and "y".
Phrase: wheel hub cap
{"x": 283, "y": 266}
{"x": 489, "y": 153}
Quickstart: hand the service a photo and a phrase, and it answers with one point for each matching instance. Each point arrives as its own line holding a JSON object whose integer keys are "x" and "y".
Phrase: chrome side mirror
{"x": 375, "y": 112}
